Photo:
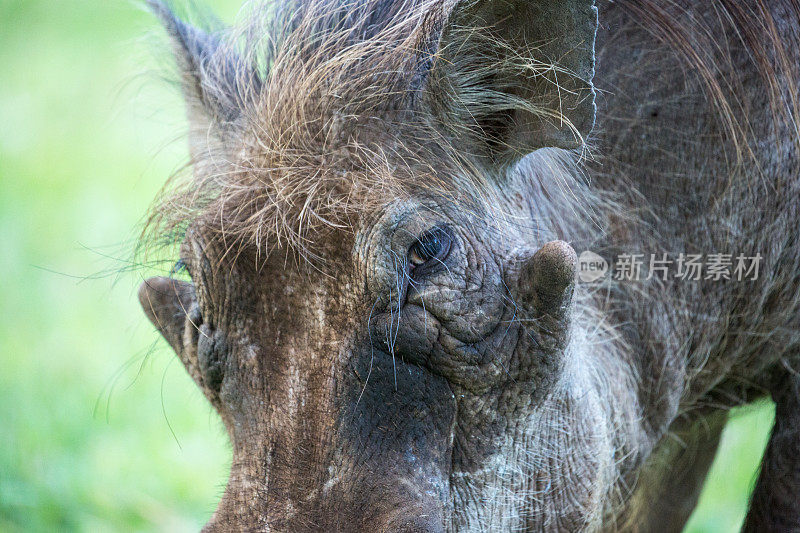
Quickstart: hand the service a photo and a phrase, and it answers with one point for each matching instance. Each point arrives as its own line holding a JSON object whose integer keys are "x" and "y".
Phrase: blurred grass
{"x": 723, "y": 503}
{"x": 88, "y": 404}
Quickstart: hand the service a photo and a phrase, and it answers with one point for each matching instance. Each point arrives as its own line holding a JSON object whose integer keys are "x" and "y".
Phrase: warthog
{"x": 386, "y": 305}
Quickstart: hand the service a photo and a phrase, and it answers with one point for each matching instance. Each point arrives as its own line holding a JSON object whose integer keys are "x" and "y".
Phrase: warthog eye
{"x": 431, "y": 247}
{"x": 179, "y": 267}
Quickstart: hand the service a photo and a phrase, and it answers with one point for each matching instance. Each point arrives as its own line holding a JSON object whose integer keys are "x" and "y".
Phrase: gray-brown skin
{"x": 485, "y": 390}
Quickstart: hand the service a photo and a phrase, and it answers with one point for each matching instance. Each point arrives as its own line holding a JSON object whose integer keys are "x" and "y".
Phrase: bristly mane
{"x": 311, "y": 112}
{"x": 289, "y": 96}
{"x": 763, "y": 28}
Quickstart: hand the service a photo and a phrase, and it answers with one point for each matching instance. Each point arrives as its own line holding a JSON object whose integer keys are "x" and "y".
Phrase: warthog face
{"x": 369, "y": 394}
{"x": 374, "y": 309}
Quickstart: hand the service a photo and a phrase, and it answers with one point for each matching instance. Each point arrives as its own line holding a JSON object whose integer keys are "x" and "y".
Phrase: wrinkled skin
{"x": 485, "y": 390}
{"x": 392, "y": 438}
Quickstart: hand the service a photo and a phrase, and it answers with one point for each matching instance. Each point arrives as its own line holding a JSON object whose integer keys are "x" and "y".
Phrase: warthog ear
{"x": 511, "y": 76}
{"x": 216, "y": 82}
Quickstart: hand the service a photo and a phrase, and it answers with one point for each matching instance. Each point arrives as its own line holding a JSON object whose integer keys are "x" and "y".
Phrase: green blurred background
{"x": 100, "y": 428}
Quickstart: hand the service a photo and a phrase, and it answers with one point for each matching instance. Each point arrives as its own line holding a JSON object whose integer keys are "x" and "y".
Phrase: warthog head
{"x": 380, "y": 309}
